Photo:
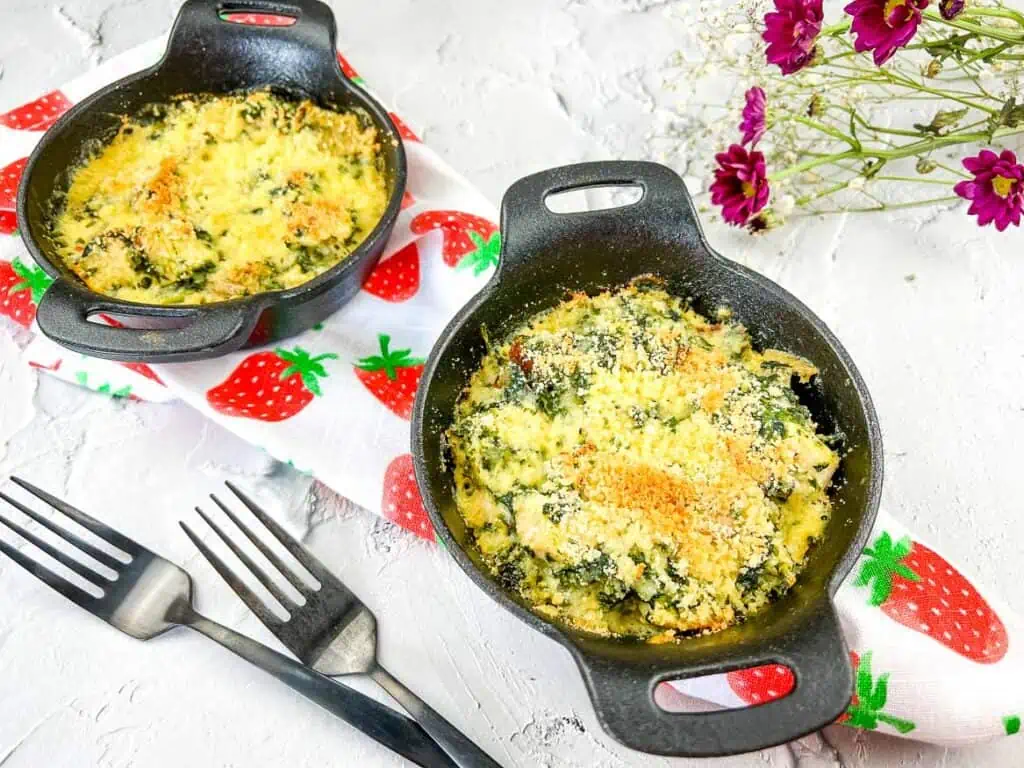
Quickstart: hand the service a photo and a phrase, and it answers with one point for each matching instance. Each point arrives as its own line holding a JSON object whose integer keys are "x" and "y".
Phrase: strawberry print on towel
{"x": 22, "y": 284}
{"x": 397, "y": 278}
{"x": 759, "y": 685}
{"x": 403, "y": 130}
{"x": 469, "y": 242}
{"x": 271, "y": 386}
{"x": 10, "y": 177}
{"x": 401, "y": 503}
{"x": 391, "y": 376}
{"x": 259, "y": 19}
{"x": 918, "y": 588}
{"x": 37, "y": 115}
{"x": 867, "y": 709}
{"x": 348, "y": 71}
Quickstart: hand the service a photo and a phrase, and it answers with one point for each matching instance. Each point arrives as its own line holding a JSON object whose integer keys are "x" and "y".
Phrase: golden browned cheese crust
{"x": 215, "y": 198}
{"x": 633, "y": 468}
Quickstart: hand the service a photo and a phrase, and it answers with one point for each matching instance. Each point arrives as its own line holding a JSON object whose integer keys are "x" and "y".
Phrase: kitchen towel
{"x": 936, "y": 658}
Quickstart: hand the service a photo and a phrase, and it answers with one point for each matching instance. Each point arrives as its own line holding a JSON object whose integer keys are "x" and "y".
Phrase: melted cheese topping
{"x": 633, "y": 468}
{"x": 215, "y": 198}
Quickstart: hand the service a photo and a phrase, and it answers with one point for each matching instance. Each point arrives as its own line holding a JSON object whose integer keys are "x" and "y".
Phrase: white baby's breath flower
{"x": 857, "y": 183}
{"x": 785, "y": 205}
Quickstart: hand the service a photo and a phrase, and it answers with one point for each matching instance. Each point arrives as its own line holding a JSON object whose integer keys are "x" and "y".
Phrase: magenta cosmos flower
{"x": 997, "y": 191}
{"x": 741, "y": 184}
{"x": 883, "y": 26}
{"x": 790, "y": 31}
{"x": 753, "y": 126}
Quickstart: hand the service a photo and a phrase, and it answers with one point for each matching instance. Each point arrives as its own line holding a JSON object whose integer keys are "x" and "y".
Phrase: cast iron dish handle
{"x": 623, "y": 694}
{"x": 199, "y": 29}
{"x": 64, "y": 310}
{"x": 526, "y": 219}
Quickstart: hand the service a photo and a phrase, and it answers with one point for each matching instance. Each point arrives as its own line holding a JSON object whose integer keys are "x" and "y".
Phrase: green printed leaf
{"x": 300, "y": 362}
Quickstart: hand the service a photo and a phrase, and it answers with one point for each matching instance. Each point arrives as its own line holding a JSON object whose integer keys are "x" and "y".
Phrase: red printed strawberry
{"x": 10, "y": 177}
{"x": 270, "y": 386}
{"x": 855, "y": 701}
{"x": 21, "y": 287}
{"x": 144, "y": 370}
{"x": 470, "y": 242}
{"x": 397, "y": 278}
{"x": 391, "y": 377}
{"x": 869, "y": 700}
{"x": 402, "y": 503}
{"x": 37, "y": 115}
{"x": 260, "y": 19}
{"x": 759, "y": 685}
{"x": 403, "y": 129}
{"x": 54, "y": 366}
{"x": 918, "y": 588}
{"x": 347, "y": 71}
{"x": 407, "y": 200}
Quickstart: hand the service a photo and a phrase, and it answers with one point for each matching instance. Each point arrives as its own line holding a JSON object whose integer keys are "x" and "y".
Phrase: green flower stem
{"x": 802, "y": 201}
{"x": 809, "y": 164}
{"x": 898, "y": 206}
{"x": 952, "y": 95}
{"x": 936, "y": 142}
{"x": 983, "y": 31}
{"x": 915, "y": 179}
{"x": 839, "y": 28}
{"x": 1003, "y": 13}
{"x": 952, "y": 170}
{"x": 833, "y": 132}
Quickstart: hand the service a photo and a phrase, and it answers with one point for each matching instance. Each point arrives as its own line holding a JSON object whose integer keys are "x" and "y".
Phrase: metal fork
{"x": 332, "y": 631}
{"x": 150, "y": 595}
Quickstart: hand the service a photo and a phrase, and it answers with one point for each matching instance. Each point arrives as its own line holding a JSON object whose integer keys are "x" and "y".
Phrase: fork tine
{"x": 62, "y": 557}
{"x": 96, "y": 554}
{"x": 70, "y": 591}
{"x": 256, "y": 571}
{"x": 105, "y": 532}
{"x": 298, "y": 551}
{"x": 268, "y": 553}
{"x": 256, "y": 605}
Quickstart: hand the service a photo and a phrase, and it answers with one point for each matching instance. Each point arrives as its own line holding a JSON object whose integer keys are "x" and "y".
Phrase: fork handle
{"x": 379, "y": 722}
{"x": 464, "y": 752}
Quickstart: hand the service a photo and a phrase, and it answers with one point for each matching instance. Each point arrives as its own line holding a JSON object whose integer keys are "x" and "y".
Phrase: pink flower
{"x": 997, "y": 191}
{"x": 741, "y": 184}
{"x": 950, "y": 9}
{"x": 790, "y": 32}
{"x": 753, "y": 117}
{"x": 883, "y": 26}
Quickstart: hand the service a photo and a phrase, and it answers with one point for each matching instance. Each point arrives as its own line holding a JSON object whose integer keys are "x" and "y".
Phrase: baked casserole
{"x": 633, "y": 468}
{"x": 212, "y": 198}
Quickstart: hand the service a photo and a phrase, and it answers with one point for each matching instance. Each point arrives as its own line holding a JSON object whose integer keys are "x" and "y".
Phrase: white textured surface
{"x": 500, "y": 89}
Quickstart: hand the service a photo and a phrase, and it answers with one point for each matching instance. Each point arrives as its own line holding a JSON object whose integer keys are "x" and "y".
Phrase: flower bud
{"x": 925, "y": 165}
{"x": 933, "y": 69}
{"x": 816, "y": 106}
{"x": 950, "y": 9}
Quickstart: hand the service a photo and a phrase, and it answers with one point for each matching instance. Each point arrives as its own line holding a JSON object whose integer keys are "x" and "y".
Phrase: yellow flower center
{"x": 749, "y": 189}
{"x": 1003, "y": 186}
{"x": 891, "y": 6}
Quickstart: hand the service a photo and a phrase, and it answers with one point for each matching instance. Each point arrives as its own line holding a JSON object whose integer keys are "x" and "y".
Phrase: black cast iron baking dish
{"x": 546, "y": 255}
{"x": 205, "y": 54}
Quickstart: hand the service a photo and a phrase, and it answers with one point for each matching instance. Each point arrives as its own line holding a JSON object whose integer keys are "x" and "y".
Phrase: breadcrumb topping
{"x": 212, "y": 198}
{"x": 633, "y": 468}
